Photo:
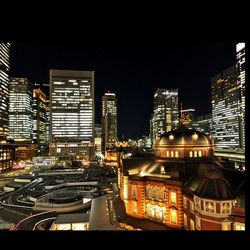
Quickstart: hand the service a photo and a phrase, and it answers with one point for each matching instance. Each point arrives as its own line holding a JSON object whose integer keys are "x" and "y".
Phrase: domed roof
{"x": 214, "y": 186}
{"x": 184, "y": 136}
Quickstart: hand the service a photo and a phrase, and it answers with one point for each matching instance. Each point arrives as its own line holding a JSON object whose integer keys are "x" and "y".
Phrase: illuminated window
{"x": 195, "y": 153}
{"x": 176, "y": 154}
{"x": 200, "y": 153}
{"x": 148, "y": 191}
{"x": 134, "y": 191}
{"x": 191, "y": 224}
{"x": 185, "y": 202}
{"x": 172, "y": 153}
{"x": 161, "y": 192}
{"x": 156, "y": 194}
{"x": 164, "y": 195}
{"x": 134, "y": 207}
{"x": 173, "y": 197}
{"x": 185, "y": 220}
{"x": 198, "y": 222}
{"x": 210, "y": 207}
{"x": 58, "y": 150}
{"x": 226, "y": 225}
{"x": 225, "y": 208}
{"x": 173, "y": 216}
{"x": 190, "y": 153}
{"x": 240, "y": 227}
{"x": 167, "y": 153}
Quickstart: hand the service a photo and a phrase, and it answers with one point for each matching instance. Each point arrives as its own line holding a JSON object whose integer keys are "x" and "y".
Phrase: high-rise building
{"x": 187, "y": 116}
{"x": 20, "y": 110}
{"x": 39, "y": 117}
{"x": 202, "y": 123}
{"x": 7, "y": 151}
{"x": 240, "y": 56}
{"x": 226, "y": 112}
{"x": 166, "y": 111}
{"x": 4, "y": 89}
{"x": 71, "y": 114}
{"x": 98, "y": 138}
{"x": 109, "y": 120}
{"x": 47, "y": 139}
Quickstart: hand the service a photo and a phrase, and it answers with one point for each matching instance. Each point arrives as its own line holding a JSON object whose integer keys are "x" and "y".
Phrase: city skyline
{"x": 135, "y": 68}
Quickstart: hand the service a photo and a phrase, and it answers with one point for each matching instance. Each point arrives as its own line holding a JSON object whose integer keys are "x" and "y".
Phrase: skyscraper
{"x": 166, "y": 111}
{"x": 109, "y": 120}
{"x": 4, "y": 89}
{"x": 240, "y": 56}
{"x": 20, "y": 110}
{"x": 72, "y": 113}
{"x": 6, "y": 150}
{"x": 98, "y": 138}
{"x": 187, "y": 116}
{"x": 226, "y": 112}
{"x": 47, "y": 134}
{"x": 202, "y": 123}
{"x": 39, "y": 116}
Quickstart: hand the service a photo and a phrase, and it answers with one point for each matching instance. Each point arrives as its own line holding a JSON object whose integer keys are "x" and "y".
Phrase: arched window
{"x": 190, "y": 153}
{"x": 176, "y": 154}
{"x": 185, "y": 220}
{"x": 167, "y": 153}
{"x": 173, "y": 216}
{"x": 192, "y": 224}
{"x": 173, "y": 197}
{"x": 200, "y": 153}
{"x": 172, "y": 153}
{"x": 195, "y": 153}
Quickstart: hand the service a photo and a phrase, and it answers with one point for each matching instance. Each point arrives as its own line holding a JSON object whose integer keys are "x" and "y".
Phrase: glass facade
{"x": 72, "y": 112}
{"x": 203, "y": 123}
{"x": 109, "y": 120}
{"x": 240, "y": 55}
{"x": 4, "y": 89}
{"x": 187, "y": 116}
{"x": 166, "y": 112}
{"x": 20, "y": 110}
{"x": 226, "y": 113}
{"x": 39, "y": 116}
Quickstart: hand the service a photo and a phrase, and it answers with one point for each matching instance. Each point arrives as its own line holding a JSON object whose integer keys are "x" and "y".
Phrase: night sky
{"x": 133, "y": 69}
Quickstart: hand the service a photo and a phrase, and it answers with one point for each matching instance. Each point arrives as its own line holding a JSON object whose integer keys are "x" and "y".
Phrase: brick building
{"x": 184, "y": 186}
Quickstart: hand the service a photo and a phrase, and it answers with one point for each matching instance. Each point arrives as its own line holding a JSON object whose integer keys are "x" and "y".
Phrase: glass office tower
{"x": 20, "y": 110}
{"x": 109, "y": 120}
{"x": 71, "y": 113}
{"x": 4, "y": 89}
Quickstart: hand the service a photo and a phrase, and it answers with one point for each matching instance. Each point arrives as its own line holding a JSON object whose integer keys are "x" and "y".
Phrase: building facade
{"x": 71, "y": 113}
{"x": 226, "y": 112}
{"x": 187, "y": 116}
{"x": 109, "y": 121}
{"x": 47, "y": 133}
{"x": 39, "y": 117}
{"x": 4, "y": 89}
{"x": 98, "y": 138}
{"x": 183, "y": 187}
{"x": 20, "y": 110}
{"x": 202, "y": 123}
{"x": 240, "y": 56}
{"x": 166, "y": 112}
